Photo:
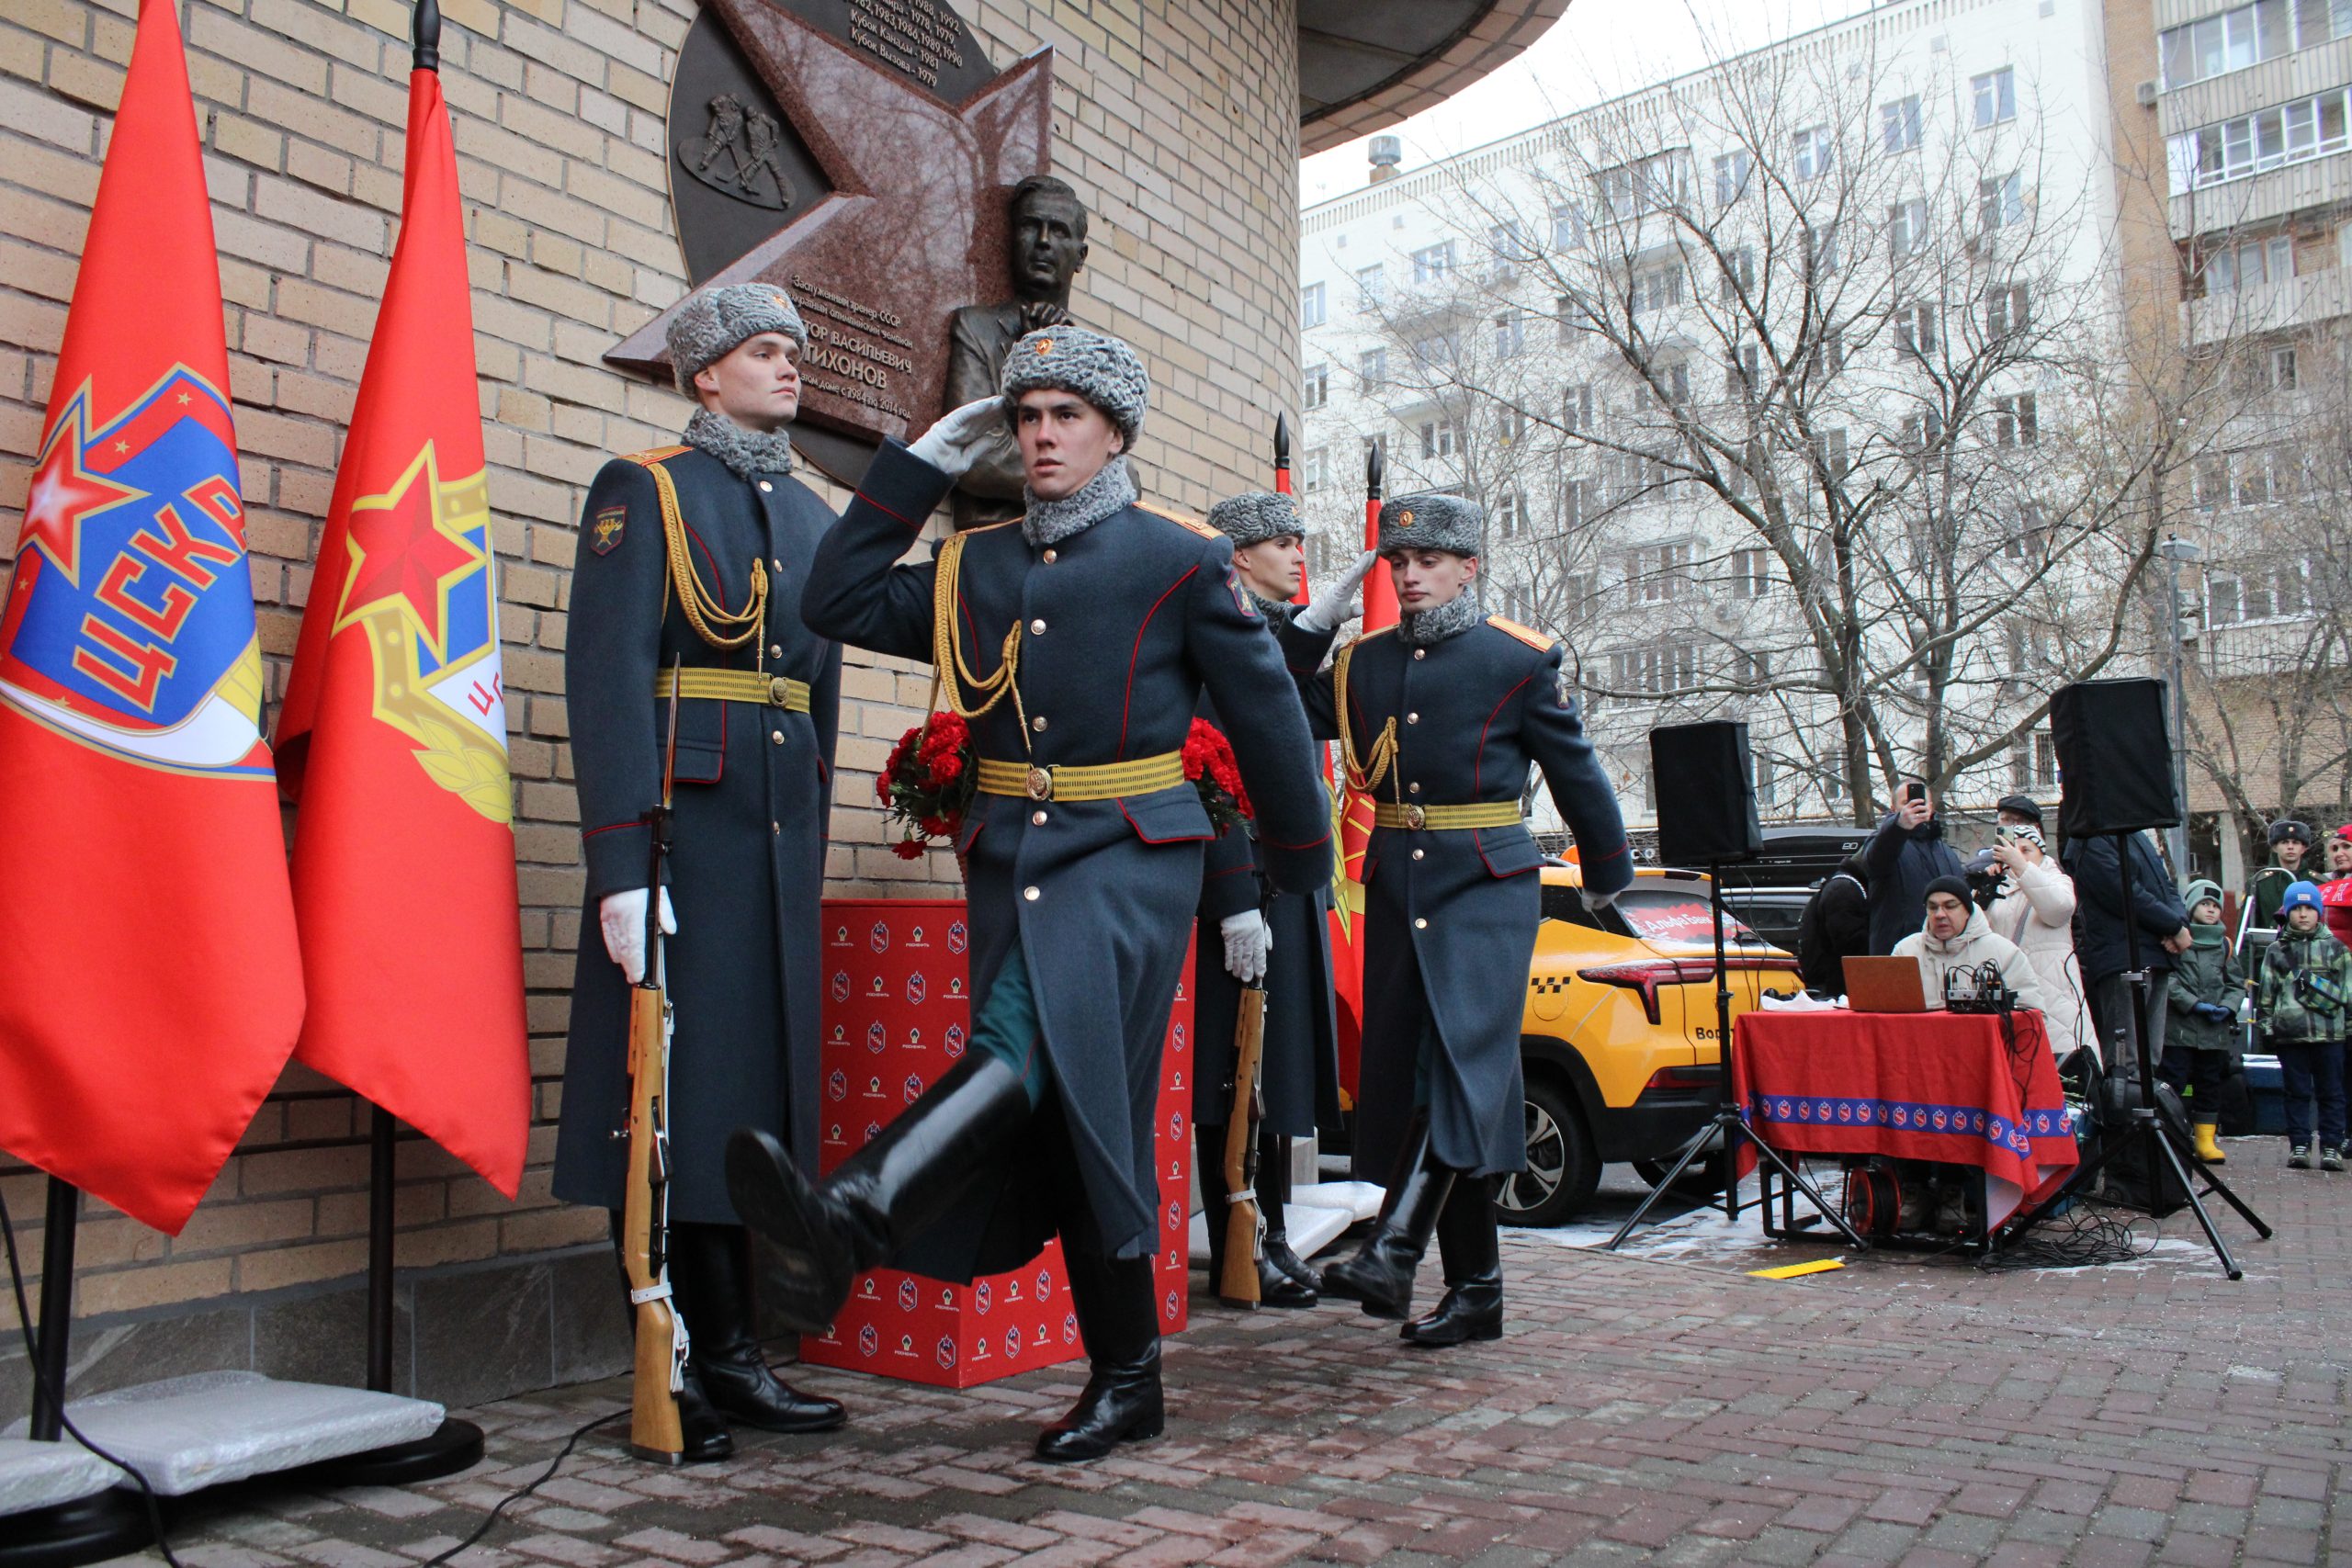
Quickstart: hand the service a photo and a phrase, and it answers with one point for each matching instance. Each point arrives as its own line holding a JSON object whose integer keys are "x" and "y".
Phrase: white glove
{"x": 1596, "y": 902}
{"x": 1247, "y": 940}
{"x": 1343, "y": 604}
{"x": 622, "y": 914}
{"x": 953, "y": 444}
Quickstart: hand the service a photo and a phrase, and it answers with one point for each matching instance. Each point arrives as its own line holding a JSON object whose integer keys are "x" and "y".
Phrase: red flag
{"x": 154, "y": 988}
{"x": 1352, "y": 829}
{"x": 393, "y": 735}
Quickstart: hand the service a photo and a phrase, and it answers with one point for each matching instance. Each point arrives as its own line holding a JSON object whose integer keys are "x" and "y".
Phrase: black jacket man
{"x": 698, "y": 551}
{"x": 1284, "y": 940}
{"x": 1439, "y": 719}
{"x": 1077, "y": 641}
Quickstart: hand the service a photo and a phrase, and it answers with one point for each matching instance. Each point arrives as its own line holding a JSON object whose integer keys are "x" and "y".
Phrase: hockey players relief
{"x": 896, "y": 1016}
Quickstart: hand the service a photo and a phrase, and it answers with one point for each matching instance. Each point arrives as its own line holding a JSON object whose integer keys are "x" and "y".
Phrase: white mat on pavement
{"x": 1314, "y": 1217}
{"x": 42, "y": 1475}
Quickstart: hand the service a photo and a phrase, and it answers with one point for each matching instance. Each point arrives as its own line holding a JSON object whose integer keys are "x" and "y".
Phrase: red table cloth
{"x": 1948, "y": 1086}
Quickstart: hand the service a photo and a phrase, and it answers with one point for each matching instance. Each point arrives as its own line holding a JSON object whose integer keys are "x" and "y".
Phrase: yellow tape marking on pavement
{"x": 1792, "y": 1271}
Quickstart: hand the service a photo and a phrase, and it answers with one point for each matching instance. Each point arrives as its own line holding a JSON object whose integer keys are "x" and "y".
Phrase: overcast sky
{"x": 1598, "y": 50}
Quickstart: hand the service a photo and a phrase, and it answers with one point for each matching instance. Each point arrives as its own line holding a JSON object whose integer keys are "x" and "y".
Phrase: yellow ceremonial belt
{"x": 1446, "y": 818}
{"x": 1102, "y": 781}
{"x": 735, "y": 686}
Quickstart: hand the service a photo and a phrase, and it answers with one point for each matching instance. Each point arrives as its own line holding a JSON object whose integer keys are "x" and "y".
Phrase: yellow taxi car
{"x": 1618, "y": 1042}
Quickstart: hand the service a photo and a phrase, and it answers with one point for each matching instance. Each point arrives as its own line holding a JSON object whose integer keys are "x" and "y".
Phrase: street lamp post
{"x": 2178, "y": 552}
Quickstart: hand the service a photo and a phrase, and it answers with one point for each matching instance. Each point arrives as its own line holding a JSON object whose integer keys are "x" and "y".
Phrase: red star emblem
{"x": 404, "y": 550}
{"x": 64, "y": 494}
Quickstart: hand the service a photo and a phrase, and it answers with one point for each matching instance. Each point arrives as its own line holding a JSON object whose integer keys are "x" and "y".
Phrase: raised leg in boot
{"x": 712, "y": 1279}
{"x": 1380, "y": 1276}
{"x": 1470, "y": 1249}
{"x": 857, "y": 1218}
{"x": 1117, "y": 1312}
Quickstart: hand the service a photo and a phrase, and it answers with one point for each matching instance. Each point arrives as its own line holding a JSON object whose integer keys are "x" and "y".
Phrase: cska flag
{"x": 392, "y": 739}
{"x": 156, "y": 985}
{"x": 1351, "y": 831}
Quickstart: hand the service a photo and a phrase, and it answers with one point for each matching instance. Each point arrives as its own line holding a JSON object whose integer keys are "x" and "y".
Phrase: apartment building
{"x": 1768, "y": 378}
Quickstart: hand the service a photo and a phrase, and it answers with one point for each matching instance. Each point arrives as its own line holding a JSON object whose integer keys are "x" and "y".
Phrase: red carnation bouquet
{"x": 1208, "y": 762}
{"x": 928, "y": 782}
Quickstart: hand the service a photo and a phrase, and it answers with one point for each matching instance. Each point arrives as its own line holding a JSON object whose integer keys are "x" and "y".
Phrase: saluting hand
{"x": 1343, "y": 604}
{"x": 622, "y": 915}
{"x": 953, "y": 444}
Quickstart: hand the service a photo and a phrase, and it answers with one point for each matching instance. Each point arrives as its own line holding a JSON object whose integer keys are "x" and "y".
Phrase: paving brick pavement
{"x": 1663, "y": 1408}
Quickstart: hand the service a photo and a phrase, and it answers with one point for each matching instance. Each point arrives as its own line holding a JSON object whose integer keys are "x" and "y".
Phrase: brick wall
{"x": 1175, "y": 119}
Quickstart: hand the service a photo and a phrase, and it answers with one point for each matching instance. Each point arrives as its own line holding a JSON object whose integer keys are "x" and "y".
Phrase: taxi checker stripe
{"x": 1105, "y": 781}
{"x": 735, "y": 686}
{"x": 1445, "y": 818}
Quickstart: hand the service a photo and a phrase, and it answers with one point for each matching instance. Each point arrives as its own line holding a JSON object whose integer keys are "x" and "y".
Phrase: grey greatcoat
{"x": 1301, "y": 1073}
{"x": 1450, "y": 916}
{"x": 753, "y": 784}
{"x": 1123, "y": 625}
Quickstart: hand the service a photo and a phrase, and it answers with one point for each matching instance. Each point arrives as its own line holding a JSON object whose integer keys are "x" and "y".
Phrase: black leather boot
{"x": 1117, "y": 1312}
{"x": 1380, "y": 1276}
{"x": 1467, "y": 1241}
{"x": 1283, "y": 1279}
{"x": 707, "y": 1271}
{"x": 858, "y": 1217}
{"x": 703, "y": 1433}
{"x": 1277, "y": 1286}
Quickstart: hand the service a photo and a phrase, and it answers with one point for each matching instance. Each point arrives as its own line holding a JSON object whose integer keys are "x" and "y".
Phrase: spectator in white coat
{"x": 1956, "y": 937}
{"x": 2036, "y": 910}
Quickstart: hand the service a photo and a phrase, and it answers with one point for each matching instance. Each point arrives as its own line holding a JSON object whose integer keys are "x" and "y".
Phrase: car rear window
{"x": 1676, "y": 914}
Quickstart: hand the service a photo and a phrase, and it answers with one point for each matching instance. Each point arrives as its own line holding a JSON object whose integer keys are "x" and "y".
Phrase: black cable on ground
{"x": 519, "y": 1493}
{"x": 2088, "y": 1235}
{"x": 56, "y": 1397}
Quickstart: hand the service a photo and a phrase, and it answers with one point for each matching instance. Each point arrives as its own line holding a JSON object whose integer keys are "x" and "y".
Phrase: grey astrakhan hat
{"x": 1097, "y": 367}
{"x": 1256, "y": 515}
{"x": 1431, "y": 521}
{"x": 713, "y": 322}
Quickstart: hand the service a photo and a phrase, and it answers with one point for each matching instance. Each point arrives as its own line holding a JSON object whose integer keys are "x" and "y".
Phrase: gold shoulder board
{"x": 1194, "y": 523}
{"x": 648, "y": 459}
{"x": 1527, "y": 635}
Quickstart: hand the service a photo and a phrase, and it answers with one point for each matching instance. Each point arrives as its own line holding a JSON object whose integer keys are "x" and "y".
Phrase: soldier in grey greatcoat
{"x": 1249, "y": 934}
{"x": 1439, "y": 719}
{"x": 1077, "y": 641}
{"x": 698, "y": 551}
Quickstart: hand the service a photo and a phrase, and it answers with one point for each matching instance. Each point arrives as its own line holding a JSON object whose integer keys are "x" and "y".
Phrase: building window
{"x": 1915, "y": 331}
{"x": 1371, "y": 283}
{"x": 1576, "y": 409}
{"x": 2006, "y": 310}
{"x": 1829, "y": 452}
{"x": 1657, "y": 670}
{"x": 1510, "y": 516}
{"x": 1315, "y": 473}
{"x": 1567, "y": 226}
{"x": 1657, "y": 574}
{"x": 1820, "y": 250}
{"x": 2287, "y": 133}
{"x": 1564, "y": 311}
{"x": 2233, "y": 599}
{"x": 1575, "y": 497}
{"x": 1315, "y": 386}
{"x": 1899, "y": 124}
{"x": 1657, "y": 288}
{"x": 1830, "y": 354}
{"x": 1439, "y": 439}
{"x": 1739, "y": 274}
{"x": 1744, "y": 372}
{"x": 1812, "y": 152}
{"x": 2014, "y": 423}
{"x": 1669, "y": 384}
{"x": 2000, "y": 202}
{"x": 2045, "y": 761}
{"x": 1438, "y": 350}
{"x": 1752, "y": 668}
{"x": 1766, "y": 785}
{"x": 1432, "y": 263}
{"x": 1579, "y": 590}
{"x": 1510, "y": 333}
{"x": 1732, "y": 171}
{"x": 2212, "y": 45}
{"x": 1647, "y": 184}
{"x": 1310, "y": 306}
{"x": 1921, "y": 432}
{"x": 1372, "y": 368}
{"x": 2282, "y": 372}
{"x": 1995, "y": 96}
{"x": 1906, "y": 226}
{"x": 1751, "y": 574}
{"x": 2251, "y": 264}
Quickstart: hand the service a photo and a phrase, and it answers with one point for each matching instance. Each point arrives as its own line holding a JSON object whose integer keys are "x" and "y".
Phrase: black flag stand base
{"x": 453, "y": 1445}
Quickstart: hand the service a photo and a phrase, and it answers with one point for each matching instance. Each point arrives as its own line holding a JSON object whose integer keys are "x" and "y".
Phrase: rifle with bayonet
{"x": 656, "y": 1431}
{"x": 1245, "y": 1226}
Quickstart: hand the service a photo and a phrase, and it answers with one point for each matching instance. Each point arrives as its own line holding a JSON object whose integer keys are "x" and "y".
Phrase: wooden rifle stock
{"x": 1245, "y": 1227}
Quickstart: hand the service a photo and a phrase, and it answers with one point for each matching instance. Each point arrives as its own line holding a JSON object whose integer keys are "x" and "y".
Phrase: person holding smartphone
{"x": 1906, "y": 853}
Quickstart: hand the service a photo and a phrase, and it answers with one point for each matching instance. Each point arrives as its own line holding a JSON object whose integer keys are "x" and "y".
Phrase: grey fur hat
{"x": 714, "y": 322}
{"x": 1097, "y": 367}
{"x": 1431, "y": 521}
{"x": 1256, "y": 515}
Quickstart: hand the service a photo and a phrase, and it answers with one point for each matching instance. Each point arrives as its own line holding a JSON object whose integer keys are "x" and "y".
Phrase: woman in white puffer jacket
{"x": 2036, "y": 910}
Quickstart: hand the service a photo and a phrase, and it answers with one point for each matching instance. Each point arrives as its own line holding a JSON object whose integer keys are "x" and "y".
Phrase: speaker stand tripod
{"x": 1726, "y": 1127}
{"x": 2155, "y": 1136}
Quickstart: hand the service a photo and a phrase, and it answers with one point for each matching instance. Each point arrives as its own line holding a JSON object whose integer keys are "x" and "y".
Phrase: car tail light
{"x": 1646, "y": 975}
{"x": 1683, "y": 1077}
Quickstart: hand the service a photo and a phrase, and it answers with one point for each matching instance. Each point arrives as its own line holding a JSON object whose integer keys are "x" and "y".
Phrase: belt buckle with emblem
{"x": 779, "y": 691}
{"x": 1415, "y": 816}
{"x": 1040, "y": 784}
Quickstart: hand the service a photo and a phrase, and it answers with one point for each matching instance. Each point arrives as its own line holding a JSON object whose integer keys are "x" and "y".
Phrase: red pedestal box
{"x": 897, "y": 1015}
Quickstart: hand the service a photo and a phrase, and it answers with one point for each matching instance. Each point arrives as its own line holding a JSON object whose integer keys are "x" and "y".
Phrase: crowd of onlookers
{"x": 2063, "y": 932}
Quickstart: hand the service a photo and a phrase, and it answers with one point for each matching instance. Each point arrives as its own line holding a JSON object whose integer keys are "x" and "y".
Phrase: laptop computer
{"x": 1885, "y": 985}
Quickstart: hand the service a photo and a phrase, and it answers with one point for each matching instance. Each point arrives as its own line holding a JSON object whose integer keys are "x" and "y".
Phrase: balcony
{"x": 2295, "y": 302}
